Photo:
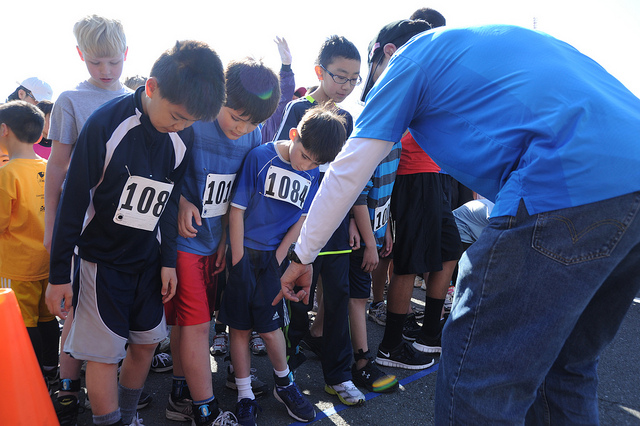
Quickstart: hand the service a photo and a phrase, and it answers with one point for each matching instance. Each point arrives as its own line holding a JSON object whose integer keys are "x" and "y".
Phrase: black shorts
{"x": 426, "y": 231}
{"x": 359, "y": 280}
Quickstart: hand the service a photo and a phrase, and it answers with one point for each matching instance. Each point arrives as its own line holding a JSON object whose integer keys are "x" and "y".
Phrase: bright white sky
{"x": 38, "y": 39}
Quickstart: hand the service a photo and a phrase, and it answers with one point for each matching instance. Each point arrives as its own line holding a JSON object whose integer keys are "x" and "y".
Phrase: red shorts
{"x": 195, "y": 299}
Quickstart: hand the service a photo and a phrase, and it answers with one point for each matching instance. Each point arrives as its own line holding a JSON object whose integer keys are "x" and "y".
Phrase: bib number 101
{"x": 142, "y": 202}
{"x": 286, "y": 186}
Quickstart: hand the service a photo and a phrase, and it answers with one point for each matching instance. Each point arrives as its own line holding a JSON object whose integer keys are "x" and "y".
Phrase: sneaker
{"x": 298, "y": 406}
{"x": 258, "y": 387}
{"x": 419, "y": 314}
{"x": 162, "y": 363}
{"x": 144, "y": 401}
{"x": 313, "y": 344}
{"x": 226, "y": 418}
{"x": 247, "y": 412}
{"x": 448, "y": 300}
{"x": 374, "y": 379}
{"x": 418, "y": 281}
{"x": 180, "y": 410}
{"x": 164, "y": 346}
{"x": 205, "y": 414}
{"x": 347, "y": 392}
{"x": 410, "y": 328}
{"x": 136, "y": 421}
{"x": 404, "y": 356}
{"x": 220, "y": 344}
{"x": 256, "y": 344}
{"x": 52, "y": 377}
{"x": 67, "y": 408}
{"x": 378, "y": 313}
{"x": 426, "y": 344}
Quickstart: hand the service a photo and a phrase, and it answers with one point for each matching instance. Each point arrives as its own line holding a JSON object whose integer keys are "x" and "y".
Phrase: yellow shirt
{"x": 22, "y": 253}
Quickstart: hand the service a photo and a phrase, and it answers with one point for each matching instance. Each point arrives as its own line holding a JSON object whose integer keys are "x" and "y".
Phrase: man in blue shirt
{"x": 544, "y": 131}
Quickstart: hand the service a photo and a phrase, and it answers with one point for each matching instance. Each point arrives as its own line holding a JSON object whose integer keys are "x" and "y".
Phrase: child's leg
{"x": 379, "y": 278}
{"x": 358, "y": 324}
{"x": 276, "y": 349}
{"x": 69, "y": 367}
{"x": 133, "y": 374}
{"x": 102, "y": 386}
{"x": 190, "y": 347}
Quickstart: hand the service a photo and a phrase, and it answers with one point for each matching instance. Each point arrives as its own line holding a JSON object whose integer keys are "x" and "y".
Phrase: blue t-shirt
{"x": 512, "y": 114}
{"x": 273, "y": 195}
{"x": 212, "y": 170}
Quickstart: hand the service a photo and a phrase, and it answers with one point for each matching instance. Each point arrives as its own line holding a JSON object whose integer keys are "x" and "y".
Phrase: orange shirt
{"x": 413, "y": 159}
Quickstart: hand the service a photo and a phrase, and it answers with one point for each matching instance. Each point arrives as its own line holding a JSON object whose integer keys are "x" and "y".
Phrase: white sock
{"x": 244, "y": 388}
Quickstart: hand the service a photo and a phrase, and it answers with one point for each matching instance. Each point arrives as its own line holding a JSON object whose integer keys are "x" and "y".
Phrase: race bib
{"x": 381, "y": 215}
{"x": 215, "y": 200}
{"x": 287, "y": 186}
{"x": 142, "y": 202}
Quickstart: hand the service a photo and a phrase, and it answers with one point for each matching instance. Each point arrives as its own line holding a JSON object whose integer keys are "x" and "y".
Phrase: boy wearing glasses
{"x": 338, "y": 70}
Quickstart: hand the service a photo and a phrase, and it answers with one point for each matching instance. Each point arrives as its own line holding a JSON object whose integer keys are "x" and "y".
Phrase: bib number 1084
{"x": 286, "y": 186}
{"x": 142, "y": 202}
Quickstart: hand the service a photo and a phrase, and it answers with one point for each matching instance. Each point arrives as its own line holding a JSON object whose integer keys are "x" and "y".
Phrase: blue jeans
{"x": 537, "y": 300}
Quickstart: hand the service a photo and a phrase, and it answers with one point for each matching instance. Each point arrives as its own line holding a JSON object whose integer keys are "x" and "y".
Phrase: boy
{"x": 338, "y": 71}
{"x": 127, "y": 169}
{"x": 272, "y": 195}
{"x": 102, "y": 46}
{"x": 24, "y": 262}
{"x": 371, "y": 211}
{"x": 219, "y": 149}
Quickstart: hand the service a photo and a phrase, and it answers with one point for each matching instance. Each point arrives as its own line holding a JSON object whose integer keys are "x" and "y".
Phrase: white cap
{"x": 39, "y": 89}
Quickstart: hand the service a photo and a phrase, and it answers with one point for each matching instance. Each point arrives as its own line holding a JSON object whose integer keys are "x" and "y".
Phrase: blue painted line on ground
{"x": 371, "y": 395}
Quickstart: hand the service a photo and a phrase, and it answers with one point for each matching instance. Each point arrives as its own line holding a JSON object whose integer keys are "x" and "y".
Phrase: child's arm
{"x": 236, "y": 234}
{"x": 354, "y": 234}
{"x": 222, "y": 245}
{"x": 169, "y": 283}
{"x": 371, "y": 259}
{"x": 388, "y": 242}
{"x": 289, "y": 238}
{"x": 57, "y": 166}
{"x": 187, "y": 213}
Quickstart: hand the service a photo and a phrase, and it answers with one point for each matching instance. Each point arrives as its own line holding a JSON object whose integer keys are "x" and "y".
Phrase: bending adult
{"x": 551, "y": 137}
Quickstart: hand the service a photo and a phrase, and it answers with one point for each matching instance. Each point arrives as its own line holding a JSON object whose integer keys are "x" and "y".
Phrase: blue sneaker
{"x": 247, "y": 412}
{"x": 297, "y": 404}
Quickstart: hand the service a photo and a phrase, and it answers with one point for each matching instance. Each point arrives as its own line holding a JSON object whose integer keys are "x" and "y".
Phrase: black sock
{"x": 393, "y": 330}
{"x": 432, "y": 314}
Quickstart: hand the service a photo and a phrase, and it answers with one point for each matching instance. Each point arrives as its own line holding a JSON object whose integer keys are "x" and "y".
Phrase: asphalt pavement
{"x": 413, "y": 403}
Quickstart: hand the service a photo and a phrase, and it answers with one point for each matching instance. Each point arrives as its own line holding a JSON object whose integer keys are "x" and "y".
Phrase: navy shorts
{"x": 112, "y": 308}
{"x": 252, "y": 285}
{"x": 359, "y": 281}
{"x": 426, "y": 231}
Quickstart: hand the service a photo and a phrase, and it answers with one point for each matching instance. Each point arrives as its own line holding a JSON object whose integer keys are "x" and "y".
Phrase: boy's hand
{"x": 354, "y": 235}
{"x": 54, "y": 296}
{"x": 236, "y": 255}
{"x": 169, "y": 283}
{"x": 387, "y": 245}
{"x": 283, "y": 49}
{"x": 187, "y": 213}
{"x": 370, "y": 259}
{"x": 296, "y": 275}
{"x": 221, "y": 258}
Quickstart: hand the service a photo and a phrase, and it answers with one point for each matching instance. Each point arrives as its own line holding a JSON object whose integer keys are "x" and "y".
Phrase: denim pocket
{"x": 579, "y": 234}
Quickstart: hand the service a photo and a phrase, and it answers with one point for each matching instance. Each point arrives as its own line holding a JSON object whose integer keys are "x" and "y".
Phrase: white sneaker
{"x": 220, "y": 344}
{"x": 226, "y": 418}
{"x": 256, "y": 344}
{"x": 347, "y": 392}
{"x": 136, "y": 421}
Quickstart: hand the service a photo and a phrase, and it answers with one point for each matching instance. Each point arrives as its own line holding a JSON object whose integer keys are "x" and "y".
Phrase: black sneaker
{"x": 404, "y": 356}
{"x": 247, "y": 412}
{"x": 313, "y": 344}
{"x": 258, "y": 387}
{"x": 67, "y": 408}
{"x": 410, "y": 328}
{"x": 374, "y": 379}
{"x": 179, "y": 410}
{"x": 428, "y": 344}
{"x": 145, "y": 400}
{"x": 298, "y": 406}
{"x": 205, "y": 414}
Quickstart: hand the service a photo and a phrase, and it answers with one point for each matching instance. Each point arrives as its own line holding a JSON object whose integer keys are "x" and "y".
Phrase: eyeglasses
{"x": 30, "y": 94}
{"x": 342, "y": 80}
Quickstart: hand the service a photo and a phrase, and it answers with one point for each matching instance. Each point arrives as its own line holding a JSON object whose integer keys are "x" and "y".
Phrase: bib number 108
{"x": 142, "y": 203}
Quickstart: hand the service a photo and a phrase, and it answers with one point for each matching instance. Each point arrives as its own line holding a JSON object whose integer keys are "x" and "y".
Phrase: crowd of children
{"x": 175, "y": 199}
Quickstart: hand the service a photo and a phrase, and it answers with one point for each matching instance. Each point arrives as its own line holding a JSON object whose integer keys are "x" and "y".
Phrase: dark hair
{"x": 191, "y": 74}
{"x": 252, "y": 88}
{"x": 45, "y": 106}
{"x": 432, "y": 16}
{"x": 26, "y": 121}
{"x": 15, "y": 96}
{"x": 336, "y": 46}
{"x": 322, "y": 132}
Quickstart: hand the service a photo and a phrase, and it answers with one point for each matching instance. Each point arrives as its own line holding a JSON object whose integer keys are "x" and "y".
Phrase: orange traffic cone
{"x": 25, "y": 400}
